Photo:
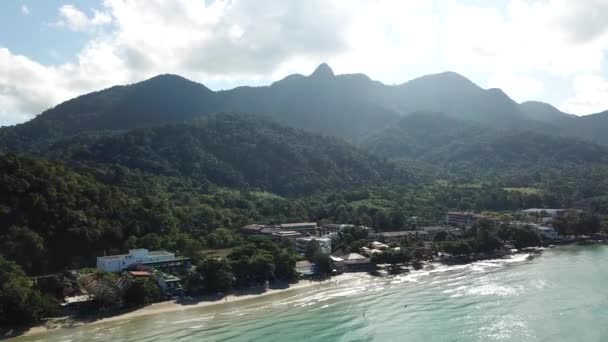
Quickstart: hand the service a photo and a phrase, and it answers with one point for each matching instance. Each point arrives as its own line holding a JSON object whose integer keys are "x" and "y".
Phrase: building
{"x": 403, "y": 234}
{"x": 252, "y": 229}
{"x": 139, "y": 274}
{"x": 545, "y": 232}
{"x": 379, "y": 245}
{"x": 117, "y": 263}
{"x": 354, "y": 262}
{"x": 451, "y": 232}
{"x": 306, "y": 268}
{"x": 466, "y": 219}
{"x": 540, "y": 213}
{"x": 169, "y": 284}
{"x": 324, "y": 244}
{"x": 285, "y": 235}
{"x": 338, "y": 264}
{"x": 304, "y": 228}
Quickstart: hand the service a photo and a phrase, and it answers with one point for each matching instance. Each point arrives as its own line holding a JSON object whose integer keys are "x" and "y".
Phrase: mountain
{"x": 237, "y": 151}
{"x": 420, "y": 134}
{"x": 351, "y": 107}
{"x": 545, "y": 112}
{"x": 161, "y": 99}
{"x": 589, "y": 127}
{"x": 467, "y": 148}
{"x": 456, "y": 96}
{"x": 346, "y": 106}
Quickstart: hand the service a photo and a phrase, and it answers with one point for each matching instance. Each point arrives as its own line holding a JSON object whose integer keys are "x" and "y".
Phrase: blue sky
{"x": 548, "y": 50}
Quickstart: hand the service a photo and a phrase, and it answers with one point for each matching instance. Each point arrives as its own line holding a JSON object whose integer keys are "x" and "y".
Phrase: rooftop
{"x": 304, "y": 263}
{"x": 355, "y": 258}
{"x": 435, "y": 228}
{"x": 285, "y": 233}
{"x": 133, "y": 251}
{"x": 300, "y": 224}
{"x": 403, "y": 233}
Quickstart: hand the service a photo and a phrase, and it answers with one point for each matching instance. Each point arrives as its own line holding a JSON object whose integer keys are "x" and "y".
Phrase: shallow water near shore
{"x": 560, "y": 295}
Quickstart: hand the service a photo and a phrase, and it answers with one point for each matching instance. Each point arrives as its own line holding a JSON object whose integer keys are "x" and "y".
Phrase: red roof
{"x": 139, "y": 273}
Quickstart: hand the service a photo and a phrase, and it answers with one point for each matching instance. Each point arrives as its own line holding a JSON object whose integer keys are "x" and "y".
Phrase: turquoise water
{"x": 561, "y": 295}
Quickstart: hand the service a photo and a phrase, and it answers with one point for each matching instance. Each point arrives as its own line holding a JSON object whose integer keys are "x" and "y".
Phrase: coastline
{"x": 68, "y": 322}
{"x": 171, "y": 306}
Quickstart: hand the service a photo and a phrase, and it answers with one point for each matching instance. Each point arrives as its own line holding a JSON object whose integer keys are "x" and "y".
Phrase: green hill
{"x": 239, "y": 151}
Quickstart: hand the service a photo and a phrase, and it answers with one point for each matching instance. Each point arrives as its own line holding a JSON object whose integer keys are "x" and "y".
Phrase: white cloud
{"x": 589, "y": 95}
{"x": 76, "y": 20}
{"x": 231, "y": 42}
{"x": 519, "y": 87}
{"x": 25, "y": 10}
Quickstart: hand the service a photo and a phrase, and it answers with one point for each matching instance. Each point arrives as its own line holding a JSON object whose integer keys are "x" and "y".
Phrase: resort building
{"x": 285, "y": 235}
{"x": 338, "y": 264}
{"x": 324, "y": 244}
{"x": 117, "y": 263}
{"x": 304, "y": 228}
{"x": 466, "y": 219}
{"x": 545, "y": 232}
{"x": 540, "y": 214}
{"x": 252, "y": 229}
{"x": 169, "y": 284}
{"x": 451, "y": 232}
{"x": 402, "y": 234}
{"x": 354, "y": 262}
{"x": 306, "y": 268}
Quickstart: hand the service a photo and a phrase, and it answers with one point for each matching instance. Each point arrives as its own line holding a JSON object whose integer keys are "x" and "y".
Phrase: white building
{"x": 117, "y": 263}
{"x": 324, "y": 244}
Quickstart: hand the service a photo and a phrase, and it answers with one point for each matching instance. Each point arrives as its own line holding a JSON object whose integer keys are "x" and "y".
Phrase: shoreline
{"x": 68, "y": 322}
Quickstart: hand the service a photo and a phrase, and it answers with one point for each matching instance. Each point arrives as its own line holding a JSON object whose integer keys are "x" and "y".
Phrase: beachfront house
{"x": 306, "y": 268}
{"x": 338, "y": 264}
{"x": 355, "y": 262}
{"x": 545, "y": 232}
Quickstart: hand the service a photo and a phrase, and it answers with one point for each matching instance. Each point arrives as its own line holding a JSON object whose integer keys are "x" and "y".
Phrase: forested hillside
{"x": 156, "y": 164}
{"x": 238, "y": 151}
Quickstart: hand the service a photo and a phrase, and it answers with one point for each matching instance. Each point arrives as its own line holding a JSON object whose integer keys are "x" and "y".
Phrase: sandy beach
{"x": 172, "y": 306}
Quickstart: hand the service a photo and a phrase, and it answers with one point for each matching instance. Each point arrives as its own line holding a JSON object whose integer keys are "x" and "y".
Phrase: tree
{"x": 440, "y": 236}
{"x": 143, "y": 291}
{"x": 524, "y": 238}
{"x": 285, "y": 263}
{"x": 19, "y": 303}
{"x": 312, "y": 249}
{"x": 216, "y": 275}
{"x": 323, "y": 262}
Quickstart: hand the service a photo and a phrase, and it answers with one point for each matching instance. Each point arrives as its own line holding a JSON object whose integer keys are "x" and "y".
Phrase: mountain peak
{"x": 323, "y": 71}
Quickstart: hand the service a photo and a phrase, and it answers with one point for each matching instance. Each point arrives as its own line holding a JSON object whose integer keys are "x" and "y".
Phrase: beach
{"x": 173, "y": 306}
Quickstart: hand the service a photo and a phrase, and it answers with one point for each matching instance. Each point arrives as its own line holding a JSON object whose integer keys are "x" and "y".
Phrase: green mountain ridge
{"x": 350, "y": 106}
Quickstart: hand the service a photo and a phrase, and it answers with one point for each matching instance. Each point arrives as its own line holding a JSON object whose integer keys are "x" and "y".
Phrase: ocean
{"x": 559, "y": 295}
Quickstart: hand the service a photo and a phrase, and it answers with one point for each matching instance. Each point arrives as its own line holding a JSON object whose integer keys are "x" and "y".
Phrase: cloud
{"x": 76, "y": 20}
{"x": 589, "y": 95}
{"x": 25, "y": 10}
{"x": 225, "y": 43}
{"x": 520, "y": 88}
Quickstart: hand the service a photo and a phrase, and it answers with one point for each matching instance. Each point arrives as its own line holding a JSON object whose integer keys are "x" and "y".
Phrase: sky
{"x": 548, "y": 50}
